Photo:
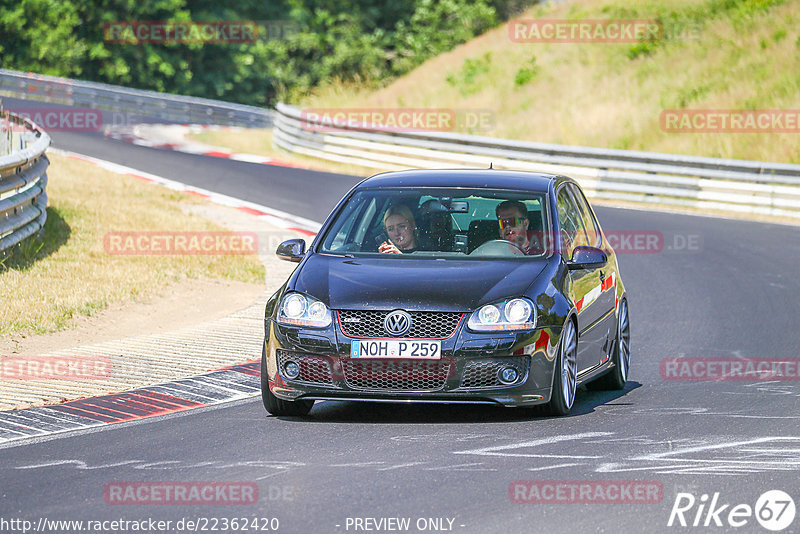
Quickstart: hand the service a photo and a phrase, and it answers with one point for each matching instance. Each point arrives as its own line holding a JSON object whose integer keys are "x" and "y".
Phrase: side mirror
{"x": 292, "y": 250}
{"x": 587, "y": 258}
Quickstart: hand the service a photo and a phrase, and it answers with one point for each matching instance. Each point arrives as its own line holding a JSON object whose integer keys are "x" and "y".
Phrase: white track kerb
{"x": 173, "y": 137}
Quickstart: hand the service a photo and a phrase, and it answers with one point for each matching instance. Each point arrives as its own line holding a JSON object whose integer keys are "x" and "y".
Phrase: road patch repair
{"x": 90, "y": 377}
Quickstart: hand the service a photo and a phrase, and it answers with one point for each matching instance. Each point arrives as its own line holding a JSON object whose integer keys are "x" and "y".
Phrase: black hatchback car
{"x": 451, "y": 286}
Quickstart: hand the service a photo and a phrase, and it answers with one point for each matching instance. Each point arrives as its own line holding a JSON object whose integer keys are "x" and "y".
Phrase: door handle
{"x": 602, "y": 276}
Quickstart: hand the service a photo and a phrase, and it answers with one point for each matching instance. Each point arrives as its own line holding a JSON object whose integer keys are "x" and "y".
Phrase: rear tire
{"x": 617, "y": 376}
{"x": 565, "y": 372}
{"x": 277, "y": 406}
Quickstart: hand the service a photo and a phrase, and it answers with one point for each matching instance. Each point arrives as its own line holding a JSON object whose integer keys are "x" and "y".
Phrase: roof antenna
{"x": 490, "y": 165}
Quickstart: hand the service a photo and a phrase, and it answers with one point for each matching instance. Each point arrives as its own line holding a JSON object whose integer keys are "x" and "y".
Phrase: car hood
{"x": 387, "y": 283}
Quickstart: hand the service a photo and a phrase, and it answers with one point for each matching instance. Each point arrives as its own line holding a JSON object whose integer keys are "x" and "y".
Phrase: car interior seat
{"x": 435, "y": 227}
{"x": 480, "y": 231}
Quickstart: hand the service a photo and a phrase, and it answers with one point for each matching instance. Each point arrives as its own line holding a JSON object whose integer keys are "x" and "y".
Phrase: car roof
{"x": 478, "y": 178}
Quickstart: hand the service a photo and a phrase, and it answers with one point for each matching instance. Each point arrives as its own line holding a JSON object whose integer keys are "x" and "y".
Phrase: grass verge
{"x": 716, "y": 54}
{"x": 67, "y": 273}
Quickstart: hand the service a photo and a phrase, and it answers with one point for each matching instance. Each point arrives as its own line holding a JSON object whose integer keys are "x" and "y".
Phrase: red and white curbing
{"x": 151, "y": 135}
{"x": 229, "y": 384}
{"x": 279, "y": 218}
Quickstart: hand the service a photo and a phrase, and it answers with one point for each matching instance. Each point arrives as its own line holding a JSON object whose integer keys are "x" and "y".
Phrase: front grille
{"x": 393, "y": 375}
{"x": 425, "y": 324}
{"x": 313, "y": 369}
{"x": 483, "y": 373}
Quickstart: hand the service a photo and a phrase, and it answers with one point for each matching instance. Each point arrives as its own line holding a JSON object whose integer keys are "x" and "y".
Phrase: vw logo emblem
{"x": 397, "y": 323}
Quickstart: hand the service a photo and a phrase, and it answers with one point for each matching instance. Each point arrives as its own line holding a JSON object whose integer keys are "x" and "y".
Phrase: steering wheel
{"x": 498, "y": 247}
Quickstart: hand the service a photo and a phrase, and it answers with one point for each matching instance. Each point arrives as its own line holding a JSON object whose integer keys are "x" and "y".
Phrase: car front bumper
{"x": 468, "y": 371}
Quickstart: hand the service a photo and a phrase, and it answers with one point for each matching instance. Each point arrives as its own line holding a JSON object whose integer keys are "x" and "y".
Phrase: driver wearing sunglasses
{"x": 512, "y": 217}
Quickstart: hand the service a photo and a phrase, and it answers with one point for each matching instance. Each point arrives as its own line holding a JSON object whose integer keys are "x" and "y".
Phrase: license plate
{"x": 396, "y": 348}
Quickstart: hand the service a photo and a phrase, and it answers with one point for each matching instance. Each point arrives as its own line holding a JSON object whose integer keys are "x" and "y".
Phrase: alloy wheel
{"x": 569, "y": 366}
{"x": 624, "y": 340}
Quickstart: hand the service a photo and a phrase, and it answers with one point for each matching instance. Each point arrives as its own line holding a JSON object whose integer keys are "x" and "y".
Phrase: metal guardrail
{"x": 114, "y": 98}
{"x": 23, "y": 178}
{"x": 646, "y": 177}
{"x": 752, "y": 187}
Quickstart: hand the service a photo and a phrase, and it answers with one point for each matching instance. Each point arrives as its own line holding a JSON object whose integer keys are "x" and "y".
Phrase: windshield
{"x": 440, "y": 223}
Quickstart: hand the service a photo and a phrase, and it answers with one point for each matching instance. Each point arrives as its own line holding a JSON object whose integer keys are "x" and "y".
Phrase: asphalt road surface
{"x": 717, "y": 288}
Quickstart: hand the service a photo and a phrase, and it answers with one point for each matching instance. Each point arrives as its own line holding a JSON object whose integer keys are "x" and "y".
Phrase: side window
{"x": 572, "y": 231}
{"x": 589, "y": 222}
{"x": 361, "y": 231}
{"x": 343, "y": 237}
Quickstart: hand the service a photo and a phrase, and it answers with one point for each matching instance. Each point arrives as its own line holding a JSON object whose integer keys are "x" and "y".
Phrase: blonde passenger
{"x": 398, "y": 221}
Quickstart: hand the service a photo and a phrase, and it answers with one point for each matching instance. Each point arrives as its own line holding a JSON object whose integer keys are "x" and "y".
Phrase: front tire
{"x": 277, "y": 406}
{"x": 565, "y": 373}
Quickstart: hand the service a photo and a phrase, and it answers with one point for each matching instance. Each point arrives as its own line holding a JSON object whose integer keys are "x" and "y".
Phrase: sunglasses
{"x": 510, "y": 221}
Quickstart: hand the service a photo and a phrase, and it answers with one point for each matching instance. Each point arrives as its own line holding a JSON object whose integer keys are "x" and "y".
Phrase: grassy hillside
{"x": 718, "y": 54}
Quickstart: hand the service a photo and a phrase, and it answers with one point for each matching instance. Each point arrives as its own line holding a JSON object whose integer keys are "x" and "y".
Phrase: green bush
{"x": 350, "y": 40}
{"x": 472, "y": 74}
{"x": 526, "y": 73}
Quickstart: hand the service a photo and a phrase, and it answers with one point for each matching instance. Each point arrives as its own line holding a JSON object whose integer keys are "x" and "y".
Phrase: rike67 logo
{"x": 774, "y": 510}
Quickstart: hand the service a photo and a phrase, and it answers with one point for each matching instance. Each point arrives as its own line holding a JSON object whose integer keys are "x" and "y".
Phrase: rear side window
{"x": 573, "y": 233}
{"x": 589, "y": 222}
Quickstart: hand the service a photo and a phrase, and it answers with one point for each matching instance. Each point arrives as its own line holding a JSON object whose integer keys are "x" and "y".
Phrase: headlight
{"x": 509, "y": 314}
{"x": 300, "y": 310}
{"x": 517, "y": 311}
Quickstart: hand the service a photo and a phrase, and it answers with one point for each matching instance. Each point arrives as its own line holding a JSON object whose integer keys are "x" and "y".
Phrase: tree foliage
{"x": 321, "y": 40}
